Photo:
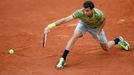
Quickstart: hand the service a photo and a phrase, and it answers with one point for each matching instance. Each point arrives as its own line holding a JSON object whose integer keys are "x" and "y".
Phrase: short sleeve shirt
{"x": 94, "y": 21}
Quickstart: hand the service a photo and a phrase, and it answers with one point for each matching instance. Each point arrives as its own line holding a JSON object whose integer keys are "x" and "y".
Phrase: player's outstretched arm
{"x": 59, "y": 22}
{"x": 54, "y": 24}
{"x": 63, "y": 20}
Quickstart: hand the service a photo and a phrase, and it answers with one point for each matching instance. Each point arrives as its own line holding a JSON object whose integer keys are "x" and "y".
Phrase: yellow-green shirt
{"x": 94, "y": 21}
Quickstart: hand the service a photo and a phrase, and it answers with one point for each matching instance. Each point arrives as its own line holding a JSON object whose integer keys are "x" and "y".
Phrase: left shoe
{"x": 61, "y": 63}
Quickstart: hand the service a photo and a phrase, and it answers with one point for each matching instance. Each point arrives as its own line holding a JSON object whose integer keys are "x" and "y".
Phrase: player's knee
{"x": 105, "y": 47}
{"x": 77, "y": 35}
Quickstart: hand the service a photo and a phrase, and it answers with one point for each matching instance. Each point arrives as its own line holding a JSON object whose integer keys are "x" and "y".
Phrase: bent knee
{"x": 105, "y": 47}
{"x": 77, "y": 35}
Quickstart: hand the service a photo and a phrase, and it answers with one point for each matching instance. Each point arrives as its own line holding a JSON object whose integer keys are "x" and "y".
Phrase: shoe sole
{"x": 59, "y": 68}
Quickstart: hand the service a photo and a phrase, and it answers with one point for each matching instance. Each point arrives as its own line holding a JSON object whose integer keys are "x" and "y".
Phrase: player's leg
{"x": 117, "y": 41}
{"x": 106, "y": 45}
{"x": 122, "y": 43}
{"x": 74, "y": 38}
{"x": 103, "y": 41}
{"x": 79, "y": 32}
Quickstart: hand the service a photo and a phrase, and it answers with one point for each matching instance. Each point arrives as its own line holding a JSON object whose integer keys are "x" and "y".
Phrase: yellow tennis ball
{"x": 11, "y": 51}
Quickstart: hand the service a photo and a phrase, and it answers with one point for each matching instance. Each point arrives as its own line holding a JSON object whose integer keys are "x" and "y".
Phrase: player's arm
{"x": 54, "y": 24}
{"x": 59, "y": 22}
{"x": 102, "y": 25}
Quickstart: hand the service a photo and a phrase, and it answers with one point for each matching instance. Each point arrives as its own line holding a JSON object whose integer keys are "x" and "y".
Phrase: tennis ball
{"x": 11, "y": 51}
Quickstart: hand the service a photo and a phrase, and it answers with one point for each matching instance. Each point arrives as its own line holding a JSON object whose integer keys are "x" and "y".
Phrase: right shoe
{"x": 124, "y": 44}
{"x": 60, "y": 64}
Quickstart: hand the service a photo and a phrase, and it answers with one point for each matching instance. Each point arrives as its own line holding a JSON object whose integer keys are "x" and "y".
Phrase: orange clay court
{"x": 22, "y": 23}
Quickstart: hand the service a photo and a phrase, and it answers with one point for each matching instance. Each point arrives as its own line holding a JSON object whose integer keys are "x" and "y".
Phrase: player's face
{"x": 88, "y": 11}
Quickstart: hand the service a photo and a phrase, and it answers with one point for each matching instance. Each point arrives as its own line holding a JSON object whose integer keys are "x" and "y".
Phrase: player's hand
{"x": 97, "y": 37}
{"x": 46, "y": 30}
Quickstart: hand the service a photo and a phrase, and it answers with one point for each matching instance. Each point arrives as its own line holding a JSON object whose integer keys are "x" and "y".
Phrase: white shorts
{"x": 93, "y": 31}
